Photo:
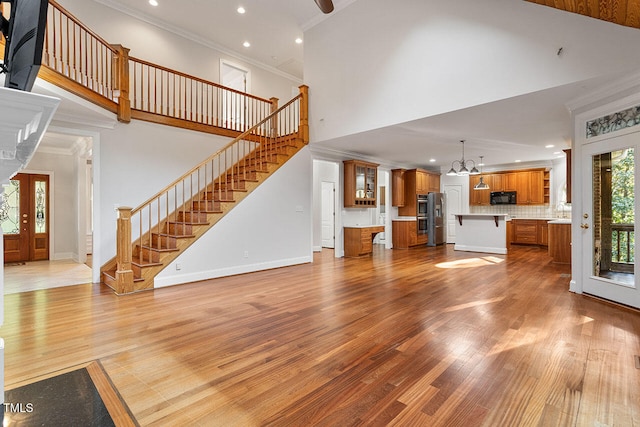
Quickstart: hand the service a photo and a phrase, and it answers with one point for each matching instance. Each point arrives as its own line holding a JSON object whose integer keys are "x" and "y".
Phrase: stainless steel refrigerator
{"x": 436, "y": 215}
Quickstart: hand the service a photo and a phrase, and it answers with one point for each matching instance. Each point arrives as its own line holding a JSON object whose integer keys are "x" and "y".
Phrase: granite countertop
{"x": 405, "y": 218}
{"x": 363, "y": 226}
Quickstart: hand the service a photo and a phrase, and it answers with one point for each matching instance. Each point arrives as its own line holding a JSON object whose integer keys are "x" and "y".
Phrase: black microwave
{"x": 503, "y": 198}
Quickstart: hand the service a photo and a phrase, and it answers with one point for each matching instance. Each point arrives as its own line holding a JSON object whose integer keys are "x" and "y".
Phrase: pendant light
{"x": 481, "y": 185}
{"x": 462, "y": 163}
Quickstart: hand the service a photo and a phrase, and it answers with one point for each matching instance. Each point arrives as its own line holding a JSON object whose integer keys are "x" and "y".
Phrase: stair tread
{"x": 176, "y": 236}
{"x": 151, "y": 248}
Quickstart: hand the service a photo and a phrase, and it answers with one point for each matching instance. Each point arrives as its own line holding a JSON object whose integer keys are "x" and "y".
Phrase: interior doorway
{"x": 328, "y": 215}
{"x": 233, "y": 104}
{"x": 24, "y": 217}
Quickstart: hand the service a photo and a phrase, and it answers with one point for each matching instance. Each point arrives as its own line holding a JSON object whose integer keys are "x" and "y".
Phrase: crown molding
{"x": 163, "y": 25}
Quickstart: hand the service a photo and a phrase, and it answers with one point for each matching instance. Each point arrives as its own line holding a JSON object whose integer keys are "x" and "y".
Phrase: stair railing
{"x": 159, "y": 91}
{"x": 177, "y": 208}
{"x": 80, "y": 61}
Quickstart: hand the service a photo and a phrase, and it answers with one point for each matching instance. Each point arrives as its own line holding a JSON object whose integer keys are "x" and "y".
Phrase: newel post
{"x": 304, "y": 113}
{"x": 120, "y": 75}
{"x": 124, "y": 273}
{"x": 274, "y": 120}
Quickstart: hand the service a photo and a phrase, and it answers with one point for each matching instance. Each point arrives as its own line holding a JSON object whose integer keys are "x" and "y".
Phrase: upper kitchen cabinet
{"x": 397, "y": 187}
{"x": 412, "y": 182}
{"x": 480, "y": 197}
{"x": 532, "y": 186}
{"x": 360, "y": 184}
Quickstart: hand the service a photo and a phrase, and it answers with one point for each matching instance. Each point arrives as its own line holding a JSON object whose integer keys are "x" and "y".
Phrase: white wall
{"x": 133, "y": 162}
{"x": 378, "y": 62}
{"x": 153, "y": 44}
{"x": 270, "y": 228}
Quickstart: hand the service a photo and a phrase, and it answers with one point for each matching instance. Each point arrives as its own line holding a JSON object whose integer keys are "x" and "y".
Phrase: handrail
{"x": 220, "y": 152}
{"x": 80, "y": 61}
{"x": 185, "y": 203}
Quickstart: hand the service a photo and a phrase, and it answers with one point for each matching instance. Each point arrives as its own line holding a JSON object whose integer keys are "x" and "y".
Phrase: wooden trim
{"x": 49, "y": 75}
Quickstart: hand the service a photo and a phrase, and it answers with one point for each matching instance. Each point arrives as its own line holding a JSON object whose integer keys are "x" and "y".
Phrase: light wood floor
{"x": 422, "y": 337}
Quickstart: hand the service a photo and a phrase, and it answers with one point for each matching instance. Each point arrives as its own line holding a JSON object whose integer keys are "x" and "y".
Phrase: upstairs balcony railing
{"x": 80, "y": 61}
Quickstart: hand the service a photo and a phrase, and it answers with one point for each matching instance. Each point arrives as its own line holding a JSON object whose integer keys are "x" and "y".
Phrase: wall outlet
{"x": 178, "y": 266}
{"x": 246, "y": 254}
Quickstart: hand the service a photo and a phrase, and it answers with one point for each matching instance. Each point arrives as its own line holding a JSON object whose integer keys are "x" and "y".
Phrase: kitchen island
{"x": 481, "y": 233}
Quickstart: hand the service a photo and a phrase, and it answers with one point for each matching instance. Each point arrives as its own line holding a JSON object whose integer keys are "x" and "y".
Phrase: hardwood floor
{"x": 418, "y": 337}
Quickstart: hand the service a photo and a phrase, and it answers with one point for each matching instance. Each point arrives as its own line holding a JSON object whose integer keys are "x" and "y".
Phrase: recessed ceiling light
{"x": 549, "y": 146}
{"x": 557, "y": 152}
{"x": 432, "y": 160}
{"x": 246, "y": 44}
{"x": 518, "y": 161}
{"x": 153, "y": 2}
{"x": 241, "y": 10}
{"x": 298, "y": 40}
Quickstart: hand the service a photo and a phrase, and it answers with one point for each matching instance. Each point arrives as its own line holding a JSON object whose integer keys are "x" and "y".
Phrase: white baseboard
{"x": 179, "y": 279}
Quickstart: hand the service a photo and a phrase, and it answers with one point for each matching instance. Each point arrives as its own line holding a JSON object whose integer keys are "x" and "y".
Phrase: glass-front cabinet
{"x": 360, "y": 184}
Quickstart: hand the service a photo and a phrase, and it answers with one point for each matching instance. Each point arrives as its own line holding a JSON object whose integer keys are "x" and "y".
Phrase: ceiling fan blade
{"x": 326, "y": 6}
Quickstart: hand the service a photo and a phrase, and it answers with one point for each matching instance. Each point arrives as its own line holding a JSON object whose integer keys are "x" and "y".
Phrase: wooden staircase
{"x": 166, "y": 237}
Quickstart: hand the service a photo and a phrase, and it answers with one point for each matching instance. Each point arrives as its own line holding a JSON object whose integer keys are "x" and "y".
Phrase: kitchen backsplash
{"x": 515, "y": 211}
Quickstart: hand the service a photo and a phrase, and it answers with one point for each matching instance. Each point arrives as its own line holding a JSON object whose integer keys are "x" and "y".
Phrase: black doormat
{"x": 73, "y": 398}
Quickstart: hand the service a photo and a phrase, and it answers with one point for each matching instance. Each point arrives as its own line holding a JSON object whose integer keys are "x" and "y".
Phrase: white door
{"x": 607, "y": 222}
{"x": 233, "y": 103}
{"x": 328, "y": 214}
{"x": 454, "y": 206}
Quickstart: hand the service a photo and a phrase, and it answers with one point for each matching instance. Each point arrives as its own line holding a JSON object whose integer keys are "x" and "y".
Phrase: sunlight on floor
{"x": 471, "y": 262}
{"x": 43, "y": 275}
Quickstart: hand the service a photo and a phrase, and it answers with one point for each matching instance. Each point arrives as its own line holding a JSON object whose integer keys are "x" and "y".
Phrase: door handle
{"x": 584, "y": 226}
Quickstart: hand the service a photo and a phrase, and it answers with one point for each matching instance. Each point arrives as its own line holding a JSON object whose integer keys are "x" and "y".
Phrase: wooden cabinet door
{"x": 536, "y": 187}
{"x": 510, "y": 182}
{"x": 525, "y": 231}
{"x": 397, "y": 187}
{"x": 522, "y": 188}
{"x": 422, "y": 182}
{"x": 479, "y": 197}
{"x": 495, "y": 181}
{"x": 434, "y": 182}
{"x": 543, "y": 233}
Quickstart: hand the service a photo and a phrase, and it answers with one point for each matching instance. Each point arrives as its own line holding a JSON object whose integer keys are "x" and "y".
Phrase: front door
{"x": 24, "y": 217}
{"x": 608, "y": 221}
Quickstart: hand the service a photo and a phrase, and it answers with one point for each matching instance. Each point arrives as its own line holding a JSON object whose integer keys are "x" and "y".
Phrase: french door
{"x": 607, "y": 223}
{"x": 24, "y": 217}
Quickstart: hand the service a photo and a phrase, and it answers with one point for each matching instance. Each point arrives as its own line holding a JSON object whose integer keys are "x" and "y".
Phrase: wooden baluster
{"x": 124, "y": 273}
{"x": 120, "y": 75}
{"x": 304, "y": 114}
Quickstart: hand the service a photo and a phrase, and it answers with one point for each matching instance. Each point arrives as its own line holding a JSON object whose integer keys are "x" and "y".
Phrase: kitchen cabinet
{"x": 358, "y": 240}
{"x": 532, "y": 186}
{"x": 397, "y": 187}
{"x": 416, "y": 181}
{"x": 480, "y": 197}
{"x": 405, "y": 234}
{"x": 560, "y": 242}
{"x": 360, "y": 184}
{"x": 530, "y": 232}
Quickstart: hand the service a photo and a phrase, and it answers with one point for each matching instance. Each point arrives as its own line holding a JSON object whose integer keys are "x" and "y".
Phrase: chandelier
{"x": 462, "y": 166}
{"x": 481, "y": 185}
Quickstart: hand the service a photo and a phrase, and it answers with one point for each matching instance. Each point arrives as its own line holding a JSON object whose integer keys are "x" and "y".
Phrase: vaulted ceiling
{"x": 622, "y": 12}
